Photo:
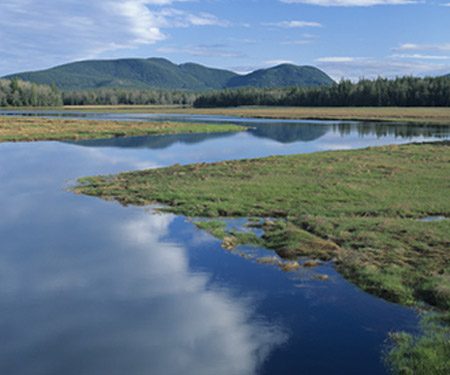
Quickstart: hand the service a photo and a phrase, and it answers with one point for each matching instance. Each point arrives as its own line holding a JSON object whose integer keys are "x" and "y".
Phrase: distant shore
{"x": 424, "y": 115}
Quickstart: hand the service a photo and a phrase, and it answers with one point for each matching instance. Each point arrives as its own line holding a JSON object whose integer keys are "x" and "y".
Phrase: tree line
{"x": 17, "y": 93}
{"x": 114, "y": 96}
{"x": 401, "y": 91}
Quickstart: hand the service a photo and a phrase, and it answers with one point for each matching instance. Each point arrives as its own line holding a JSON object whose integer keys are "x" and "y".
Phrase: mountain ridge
{"x": 160, "y": 73}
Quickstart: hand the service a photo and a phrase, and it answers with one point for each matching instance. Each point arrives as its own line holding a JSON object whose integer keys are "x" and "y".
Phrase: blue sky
{"x": 345, "y": 38}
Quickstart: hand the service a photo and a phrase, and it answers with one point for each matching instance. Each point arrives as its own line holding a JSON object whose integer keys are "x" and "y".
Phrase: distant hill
{"x": 281, "y": 76}
{"x": 158, "y": 73}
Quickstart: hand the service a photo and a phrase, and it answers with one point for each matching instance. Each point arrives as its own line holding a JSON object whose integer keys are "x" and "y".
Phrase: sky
{"x": 345, "y": 38}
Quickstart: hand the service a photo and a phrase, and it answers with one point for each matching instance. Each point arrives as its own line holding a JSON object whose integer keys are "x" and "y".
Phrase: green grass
{"x": 419, "y": 115}
{"x": 358, "y": 208}
{"x": 234, "y": 238}
{"x": 18, "y": 129}
{"x": 426, "y": 354}
{"x": 215, "y": 227}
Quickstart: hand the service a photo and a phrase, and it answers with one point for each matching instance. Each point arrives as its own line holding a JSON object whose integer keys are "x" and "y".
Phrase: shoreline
{"x": 29, "y": 129}
{"x": 356, "y": 207}
{"x": 424, "y": 115}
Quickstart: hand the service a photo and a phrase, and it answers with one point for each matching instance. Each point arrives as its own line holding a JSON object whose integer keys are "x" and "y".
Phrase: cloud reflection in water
{"x": 134, "y": 307}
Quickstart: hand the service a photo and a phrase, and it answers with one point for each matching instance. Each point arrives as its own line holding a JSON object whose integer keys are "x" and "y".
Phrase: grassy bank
{"x": 425, "y": 354}
{"x": 432, "y": 115}
{"x": 19, "y": 129}
{"x": 429, "y": 115}
{"x": 359, "y": 208}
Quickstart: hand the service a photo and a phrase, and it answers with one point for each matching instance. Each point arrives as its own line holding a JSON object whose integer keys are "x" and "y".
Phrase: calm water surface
{"x": 90, "y": 287}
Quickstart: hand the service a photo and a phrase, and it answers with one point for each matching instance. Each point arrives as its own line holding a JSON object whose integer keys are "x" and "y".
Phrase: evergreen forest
{"x": 381, "y": 92}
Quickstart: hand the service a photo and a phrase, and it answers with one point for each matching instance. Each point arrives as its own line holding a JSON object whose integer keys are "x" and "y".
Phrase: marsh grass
{"x": 428, "y": 115}
{"x": 231, "y": 238}
{"x": 19, "y": 129}
{"x": 432, "y": 115}
{"x": 357, "y": 208}
{"x": 424, "y": 354}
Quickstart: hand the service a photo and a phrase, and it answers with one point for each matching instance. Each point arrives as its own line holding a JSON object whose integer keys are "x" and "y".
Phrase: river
{"x": 91, "y": 287}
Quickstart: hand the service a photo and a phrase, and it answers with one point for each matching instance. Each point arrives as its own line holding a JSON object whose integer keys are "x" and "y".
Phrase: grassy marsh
{"x": 20, "y": 129}
{"x": 429, "y": 115}
{"x": 359, "y": 208}
{"x": 427, "y": 354}
{"x": 434, "y": 115}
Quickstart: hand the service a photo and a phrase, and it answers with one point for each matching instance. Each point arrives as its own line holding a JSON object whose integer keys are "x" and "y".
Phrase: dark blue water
{"x": 90, "y": 287}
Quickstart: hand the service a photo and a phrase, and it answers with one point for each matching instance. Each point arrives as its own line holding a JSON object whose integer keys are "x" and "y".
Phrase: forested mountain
{"x": 401, "y": 91}
{"x": 158, "y": 73}
{"x": 209, "y": 76}
{"x": 282, "y": 76}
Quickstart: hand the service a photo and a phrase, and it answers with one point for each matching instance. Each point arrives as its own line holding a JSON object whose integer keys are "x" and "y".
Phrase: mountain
{"x": 213, "y": 78}
{"x": 159, "y": 73}
{"x": 282, "y": 75}
{"x": 129, "y": 73}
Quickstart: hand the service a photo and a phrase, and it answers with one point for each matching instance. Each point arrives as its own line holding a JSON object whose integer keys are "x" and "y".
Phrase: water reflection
{"x": 152, "y": 142}
{"x": 263, "y": 140}
{"x": 379, "y": 130}
{"x": 284, "y": 131}
{"x": 281, "y": 133}
{"x": 131, "y": 309}
{"x": 90, "y": 287}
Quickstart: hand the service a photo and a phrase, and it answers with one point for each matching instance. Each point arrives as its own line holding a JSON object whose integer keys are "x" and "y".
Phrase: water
{"x": 432, "y": 218}
{"x": 90, "y": 287}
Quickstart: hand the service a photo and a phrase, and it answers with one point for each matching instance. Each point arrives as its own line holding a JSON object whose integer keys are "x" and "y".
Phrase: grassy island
{"x": 24, "y": 129}
{"x": 360, "y": 208}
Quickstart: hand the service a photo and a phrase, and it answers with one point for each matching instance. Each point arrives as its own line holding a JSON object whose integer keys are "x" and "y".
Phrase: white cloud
{"x": 349, "y": 3}
{"x": 170, "y": 17}
{"x": 440, "y": 47}
{"x": 72, "y": 30}
{"x": 217, "y": 50}
{"x": 246, "y": 69}
{"x": 278, "y": 62}
{"x": 138, "y": 20}
{"x": 205, "y": 19}
{"x": 292, "y": 24}
{"x": 445, "y": 5}
{"x": 153, "y": 311}
{"x": 357, "y": 67}
{"x": 334, "y": 59}
{"x": 419, "y": 56}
